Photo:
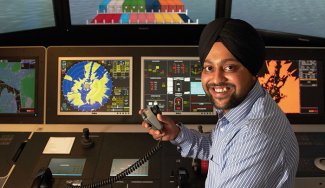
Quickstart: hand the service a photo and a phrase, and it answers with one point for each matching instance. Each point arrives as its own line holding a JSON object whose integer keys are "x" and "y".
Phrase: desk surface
{"x": 126, "y": 128}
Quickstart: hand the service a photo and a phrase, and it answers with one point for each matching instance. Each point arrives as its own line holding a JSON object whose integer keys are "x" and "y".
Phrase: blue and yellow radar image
{"x": 95, "y": 85}
{"x": 87, "y": 86}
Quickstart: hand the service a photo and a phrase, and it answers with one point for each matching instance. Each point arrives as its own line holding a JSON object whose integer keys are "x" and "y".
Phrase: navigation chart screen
{"x": 295, "y": 85}
{"x": 95, "y": 86}
{"x": 174, "y": 84}
{"x": 17, "y": 86}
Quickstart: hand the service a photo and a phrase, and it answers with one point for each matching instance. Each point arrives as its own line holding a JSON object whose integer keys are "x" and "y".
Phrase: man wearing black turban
{"x": 253, "y": 144}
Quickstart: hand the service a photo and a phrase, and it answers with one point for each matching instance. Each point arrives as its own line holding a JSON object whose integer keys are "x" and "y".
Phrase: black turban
{"x": 239, "y": 37}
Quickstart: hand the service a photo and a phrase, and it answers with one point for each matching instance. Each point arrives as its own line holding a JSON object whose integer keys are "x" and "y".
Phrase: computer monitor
{"x": 174, "y": 84}
{"x": 294, "y": 77}
{"x": 144, "y": 22}
{"x": 22, "y": 84}
{"x": 79, "y": 55}
{"x": 277, "y": 16}
{"x": 104, "y": 12}
{"x": 294, "y": 84}
{"x": 20, "y": 15}
{"x": 94, "y": 86}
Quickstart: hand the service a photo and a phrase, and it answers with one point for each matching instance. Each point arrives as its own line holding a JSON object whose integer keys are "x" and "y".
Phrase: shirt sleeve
{"x": 192, "y": 143}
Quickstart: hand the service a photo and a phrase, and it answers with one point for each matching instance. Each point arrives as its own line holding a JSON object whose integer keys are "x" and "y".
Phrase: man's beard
{"x": 234, "y": 101}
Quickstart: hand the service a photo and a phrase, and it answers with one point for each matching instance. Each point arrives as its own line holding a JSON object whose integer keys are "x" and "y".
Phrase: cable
{"x": 124, "y": 173}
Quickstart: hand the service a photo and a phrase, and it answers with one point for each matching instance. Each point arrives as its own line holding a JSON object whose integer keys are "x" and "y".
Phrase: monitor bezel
{"x": 39, "y": 54}
{"x": 56, "y": 14}
{"x": 54, "y": 52}
{"x": 27, "y": 37}
{"x": 134, "y": 34}
{"x": 278, "y": 38}
{"x": 181, "y": 113}
{"x": 302, "y": 53}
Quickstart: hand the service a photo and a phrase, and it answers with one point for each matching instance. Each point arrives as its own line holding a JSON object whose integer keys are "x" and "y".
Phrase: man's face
{"x": 225, "y": 79}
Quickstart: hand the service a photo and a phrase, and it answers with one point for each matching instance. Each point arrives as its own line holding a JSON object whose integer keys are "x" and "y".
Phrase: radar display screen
{"x": 17, "y": 86}
{"x": 295, "y": 85}
{"x": 95, "y": 86}
{"x": 174, "y": 84}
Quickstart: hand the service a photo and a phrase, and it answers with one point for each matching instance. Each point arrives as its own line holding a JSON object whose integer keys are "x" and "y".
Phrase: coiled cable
{"x": 124, "y": 173}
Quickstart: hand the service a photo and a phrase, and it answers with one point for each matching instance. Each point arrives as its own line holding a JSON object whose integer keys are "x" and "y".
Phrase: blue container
{"x": 156, "y": 5}
{"x": 185, "y": 18}
{"x": 124, "y": 18}
{"x": 152, "y": 5}
{"x": 103, "y": 6}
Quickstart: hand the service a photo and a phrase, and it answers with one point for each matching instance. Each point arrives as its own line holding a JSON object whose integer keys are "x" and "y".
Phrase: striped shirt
{"x": 252, "y": 146}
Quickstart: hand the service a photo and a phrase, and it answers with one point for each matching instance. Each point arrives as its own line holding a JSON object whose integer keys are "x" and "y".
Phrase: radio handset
{"x": 150, "y": 116}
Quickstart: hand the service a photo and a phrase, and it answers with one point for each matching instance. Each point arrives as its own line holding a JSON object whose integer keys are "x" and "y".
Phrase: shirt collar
{"x": 238, "y": 113}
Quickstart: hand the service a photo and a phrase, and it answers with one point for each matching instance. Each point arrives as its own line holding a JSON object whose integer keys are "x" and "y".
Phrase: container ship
{"x": 142, "y": 12}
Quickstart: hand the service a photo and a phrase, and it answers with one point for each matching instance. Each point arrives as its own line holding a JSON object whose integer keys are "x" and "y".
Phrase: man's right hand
{"x": 169, "y": 131}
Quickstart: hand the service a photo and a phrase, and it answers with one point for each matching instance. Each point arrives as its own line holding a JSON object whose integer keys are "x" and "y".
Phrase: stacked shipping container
{"x": 141, "y": 12}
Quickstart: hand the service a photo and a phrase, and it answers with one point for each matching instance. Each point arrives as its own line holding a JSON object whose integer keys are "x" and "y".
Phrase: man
{"x": 253, "y": 144}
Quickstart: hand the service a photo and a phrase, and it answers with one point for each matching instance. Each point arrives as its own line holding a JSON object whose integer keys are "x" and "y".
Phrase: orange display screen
{"x": 293, "y": 84}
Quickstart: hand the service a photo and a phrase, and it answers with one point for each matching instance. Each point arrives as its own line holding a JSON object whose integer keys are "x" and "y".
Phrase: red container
{"x": 171, "y": 6}
{"x": 133, "y": 18}
{"x": 163, "y": 5}
{"x": 142, "y": 17}
{"x": 179, "y": 6}
{"x": 106, "y": 19}
{"x": 150, "y": 18}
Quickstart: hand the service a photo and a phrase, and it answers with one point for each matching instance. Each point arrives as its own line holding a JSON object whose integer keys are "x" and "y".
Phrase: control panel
{"x": 74, "y": 159}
